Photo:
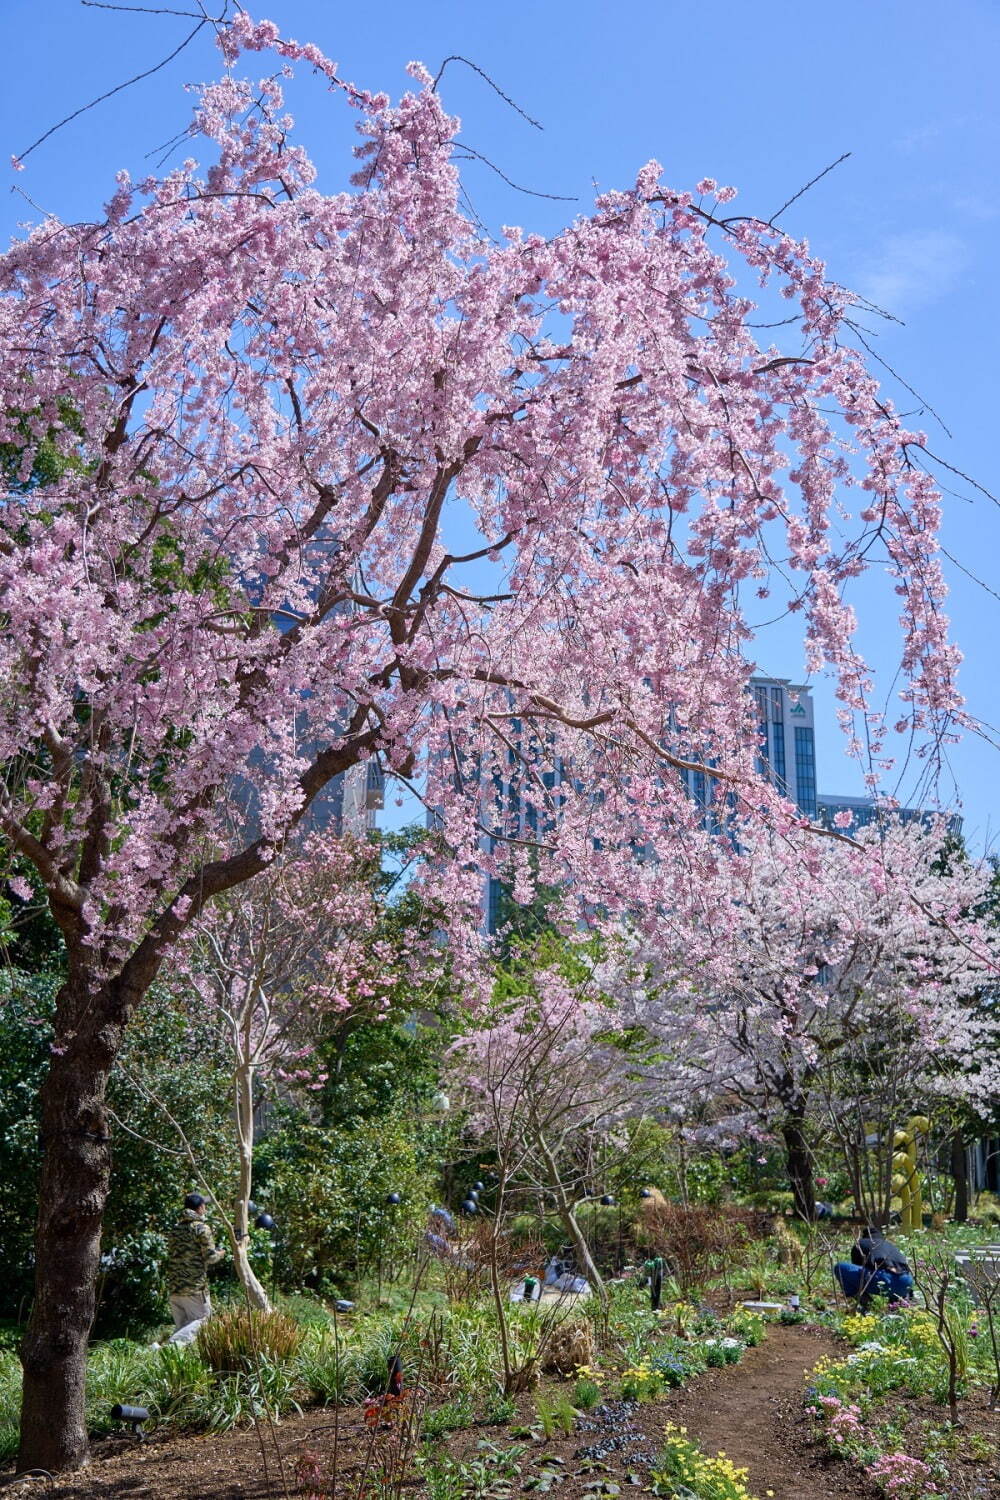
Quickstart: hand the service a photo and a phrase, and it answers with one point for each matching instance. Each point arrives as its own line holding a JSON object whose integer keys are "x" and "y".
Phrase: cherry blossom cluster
{"x": 259, "y": 404}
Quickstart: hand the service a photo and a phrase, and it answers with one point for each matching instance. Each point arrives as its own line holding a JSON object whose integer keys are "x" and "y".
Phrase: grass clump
{"x": 10, "y": 1403}
{"x": 236, "y": 1341}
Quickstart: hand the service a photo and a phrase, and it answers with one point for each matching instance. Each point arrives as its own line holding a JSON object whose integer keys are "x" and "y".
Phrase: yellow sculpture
{"x": 906, "y": 1183}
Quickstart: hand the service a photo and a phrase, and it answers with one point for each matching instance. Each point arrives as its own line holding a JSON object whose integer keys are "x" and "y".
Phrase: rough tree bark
{"x": 960, "y": 1175}
{"x": 92, "y": 1012}
{"x": 798, "y": 1164}
{"x": 73, "y": 1191}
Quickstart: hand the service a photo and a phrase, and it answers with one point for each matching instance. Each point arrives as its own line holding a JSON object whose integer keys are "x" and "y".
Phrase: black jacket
{"x": 878, "y": 1254}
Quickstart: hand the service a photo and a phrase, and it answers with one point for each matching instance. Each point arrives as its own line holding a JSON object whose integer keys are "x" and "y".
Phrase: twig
{"x": 811, "y": 183}
{"x": 855, "y": 328}
{"x": 148, "y": 10}
{"x": 455, "y": 57}
{"x": 532, "y": 192}
{"x": 922, "y": 448}
{"x": 148, "y": 73}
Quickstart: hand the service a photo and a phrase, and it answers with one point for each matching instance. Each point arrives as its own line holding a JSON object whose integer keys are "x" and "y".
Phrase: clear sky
{"x": 761, "y": 96}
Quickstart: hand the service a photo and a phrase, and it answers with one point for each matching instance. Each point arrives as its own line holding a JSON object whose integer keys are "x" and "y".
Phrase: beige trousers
{"x": 189, "y": 1309}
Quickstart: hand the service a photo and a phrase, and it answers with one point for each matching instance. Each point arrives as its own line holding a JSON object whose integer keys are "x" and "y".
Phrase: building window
{"x": 778, "y": 757}
{"x": 493, "y": 890}
{"x": 805, "y": 770}
{"x": 763, "y": 762}
{"x": 777, "y": 706}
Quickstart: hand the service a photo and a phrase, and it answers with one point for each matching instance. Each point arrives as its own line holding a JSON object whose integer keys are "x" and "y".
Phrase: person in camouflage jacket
{"x": 190, "y": 1252}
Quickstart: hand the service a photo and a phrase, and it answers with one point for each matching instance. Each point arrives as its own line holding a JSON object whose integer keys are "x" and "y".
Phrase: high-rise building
{"x": 786, "y": 724}
{"x": 864, "y": 810}
{"x": 347, "y": 805}
{"x": 787, "y": 738}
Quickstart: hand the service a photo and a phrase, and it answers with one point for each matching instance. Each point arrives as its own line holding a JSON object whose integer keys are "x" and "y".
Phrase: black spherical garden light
{"x": 479, "y": 1187}
{"x": 607, "y": 1200}
{"x": 469, "y": 1206}
{"x": 263, "y": 1221}
{"x": 392, "y": 1199}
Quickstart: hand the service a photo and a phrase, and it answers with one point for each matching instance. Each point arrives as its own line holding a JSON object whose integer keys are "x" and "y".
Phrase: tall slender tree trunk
{"x": 579, "y": 1241}
{"x": 73, "y": 1191}
{"x": 798, "y": 1164}
{"x": 564, "y": 1206}
{"x": 256, "y": 1295}
{"x": 960, "y": 1175}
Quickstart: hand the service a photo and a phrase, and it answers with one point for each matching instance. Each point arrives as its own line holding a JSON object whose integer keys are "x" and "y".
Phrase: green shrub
{"x": 327, "y": 1190}
{"x": 375, "y": 1346}
{"x": 176, "y": 1055}
{"x": 586, "y": 1393}
{"x": 118, "y": 1370}
{"x": 238, "y": 1339}
{"x": 644, "y": 1382}
{"x": 328, "y": 1367}
{"x": 747, "y": 1326}
{"x": 556, "y": 1414}
{"x": 236, "y": 1399}
{"x": 722, "y": 1351}
{"x": 451, "y": 1417}
{"x": 177, "y": 1385}
{"x": 499, "y": 1409}
{"x": 684, "y": 1470}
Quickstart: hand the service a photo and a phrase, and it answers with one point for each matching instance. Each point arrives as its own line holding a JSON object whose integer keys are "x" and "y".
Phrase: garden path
{"x": 753, "y": 1411}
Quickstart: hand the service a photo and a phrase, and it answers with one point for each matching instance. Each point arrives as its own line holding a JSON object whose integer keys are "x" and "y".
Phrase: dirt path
{"x": 753, "y": 1411}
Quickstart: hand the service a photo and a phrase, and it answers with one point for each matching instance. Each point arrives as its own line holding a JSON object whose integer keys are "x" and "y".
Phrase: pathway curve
{"x": 753, "y": 1412}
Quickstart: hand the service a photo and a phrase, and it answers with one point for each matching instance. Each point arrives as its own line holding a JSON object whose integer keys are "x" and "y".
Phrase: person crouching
{"x": 877, "y": 1268}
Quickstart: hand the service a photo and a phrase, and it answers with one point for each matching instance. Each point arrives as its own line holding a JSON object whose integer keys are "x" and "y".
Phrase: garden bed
{"x": 752, "y": 1410}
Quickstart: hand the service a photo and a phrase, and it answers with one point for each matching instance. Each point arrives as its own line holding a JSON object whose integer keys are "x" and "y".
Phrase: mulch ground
{"x": 752, "y": 1411}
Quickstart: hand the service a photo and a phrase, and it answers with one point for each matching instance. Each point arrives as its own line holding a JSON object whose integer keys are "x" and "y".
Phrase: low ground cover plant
{"x": 895, "y": 1352}
{"x": 683, "y": 1471}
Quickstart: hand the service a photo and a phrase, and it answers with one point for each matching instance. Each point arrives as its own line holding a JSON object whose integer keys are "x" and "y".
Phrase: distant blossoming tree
{"x": 549, "y": 1082}
{"x": 281, "y": 961}
{"x": 853, "y": 969}
{"x": 236, "y": 415}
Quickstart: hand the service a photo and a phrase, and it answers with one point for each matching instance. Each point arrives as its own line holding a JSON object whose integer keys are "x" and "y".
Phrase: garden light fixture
{"x": 134, "y": 1416}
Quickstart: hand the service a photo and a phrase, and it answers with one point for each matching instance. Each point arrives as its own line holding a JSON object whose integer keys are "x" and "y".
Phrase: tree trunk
{"x": 73, "y": 1191}
{"x": 564, "y": 1206}
{"x": 798, "y": 1163}
{"x": 579, "y": 1242}
{"x": 256, "y": 1295}
{"x": 960, "y": 1174}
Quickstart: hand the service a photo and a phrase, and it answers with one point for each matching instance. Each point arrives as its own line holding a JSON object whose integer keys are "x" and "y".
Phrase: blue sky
{"x": 759, "y": 96}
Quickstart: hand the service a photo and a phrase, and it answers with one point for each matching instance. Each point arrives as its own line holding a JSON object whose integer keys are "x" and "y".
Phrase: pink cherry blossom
{"x": 268, "y": 401}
